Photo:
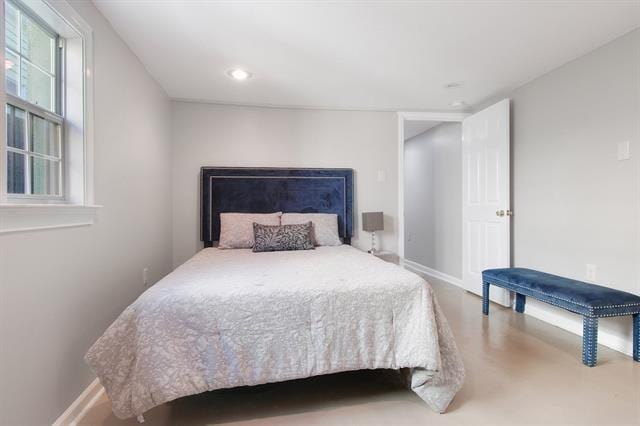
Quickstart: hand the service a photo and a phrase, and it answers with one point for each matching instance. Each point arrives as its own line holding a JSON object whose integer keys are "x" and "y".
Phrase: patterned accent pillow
{"x": 325, "y": 226}
{"x": 283, "y": 237}
{"x": 236, "y": 229}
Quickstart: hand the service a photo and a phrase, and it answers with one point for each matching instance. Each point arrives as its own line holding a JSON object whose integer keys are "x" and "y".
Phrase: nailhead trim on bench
{"x": 590, "y": 308}
{"x": 616, "y": 306}
{"x": 590, "y": 341}
{"x": 636, "y": 337}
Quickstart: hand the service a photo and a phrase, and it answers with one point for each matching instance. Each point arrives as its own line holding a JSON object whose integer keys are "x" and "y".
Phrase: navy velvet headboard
{"x": 268, "y": 190}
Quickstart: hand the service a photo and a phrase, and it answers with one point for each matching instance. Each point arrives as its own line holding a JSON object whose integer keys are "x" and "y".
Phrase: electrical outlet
{"x": 145, "y": 277}
{"x": 592, "y": 272}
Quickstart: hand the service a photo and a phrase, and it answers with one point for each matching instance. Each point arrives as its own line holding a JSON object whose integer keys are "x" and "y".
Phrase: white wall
{"x": 433, "y": 199}
{"x": 60, "y": 289}
{"x": 574, "y": 202}
{"x": 215, "y": 135}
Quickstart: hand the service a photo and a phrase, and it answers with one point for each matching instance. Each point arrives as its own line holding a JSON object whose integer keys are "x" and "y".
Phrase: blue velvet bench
{"x": 589, "y": 300}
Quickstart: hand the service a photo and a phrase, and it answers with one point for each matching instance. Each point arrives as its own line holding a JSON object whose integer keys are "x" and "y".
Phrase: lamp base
{"x": 373, "y": 243}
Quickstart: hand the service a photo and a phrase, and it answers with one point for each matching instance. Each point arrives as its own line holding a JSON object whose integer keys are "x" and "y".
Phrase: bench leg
{"x": 636, "y": 337}
{"x": 521, "y": 299}
{"x": 589, "y": 341}
{"x": 485, "y": 298}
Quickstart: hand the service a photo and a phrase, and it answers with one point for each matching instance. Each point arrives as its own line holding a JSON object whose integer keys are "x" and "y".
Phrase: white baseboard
{"x": 605, "y": 338}
{"x": 81, "y": 406}
{"x": 417, "y": 267}
{"x": 543, "y": 313}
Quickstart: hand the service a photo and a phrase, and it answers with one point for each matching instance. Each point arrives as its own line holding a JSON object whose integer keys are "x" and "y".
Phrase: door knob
{"x": 500, "y": 213}
{"x": 509, "y": 213}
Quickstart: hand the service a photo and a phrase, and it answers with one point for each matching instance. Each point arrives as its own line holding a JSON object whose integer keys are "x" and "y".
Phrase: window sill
{"x": 34, "y": 217}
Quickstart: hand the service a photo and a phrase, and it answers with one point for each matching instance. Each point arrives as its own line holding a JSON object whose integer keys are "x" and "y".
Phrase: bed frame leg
{"x": 521, "y": 300}
{"x": 636, "y": 337}
{"x": 140, "y": 418}
{"x": 485, "y": 298}
{"x": 589, "y": 341}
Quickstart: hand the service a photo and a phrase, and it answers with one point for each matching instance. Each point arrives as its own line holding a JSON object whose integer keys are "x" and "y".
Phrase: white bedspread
{"x": 229, "y": 318}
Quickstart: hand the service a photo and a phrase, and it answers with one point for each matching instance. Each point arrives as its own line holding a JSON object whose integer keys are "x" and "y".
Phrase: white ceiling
{"x": 414, "y": 128}
{"x": 360, "y": 54}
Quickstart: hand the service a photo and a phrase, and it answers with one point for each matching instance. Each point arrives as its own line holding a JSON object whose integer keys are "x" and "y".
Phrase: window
{"x": 46, "y": 116}
{"x": 34, "y": 110}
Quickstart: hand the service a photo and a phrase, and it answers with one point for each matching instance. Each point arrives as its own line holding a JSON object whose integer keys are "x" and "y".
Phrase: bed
{"x": 229, "y": 318}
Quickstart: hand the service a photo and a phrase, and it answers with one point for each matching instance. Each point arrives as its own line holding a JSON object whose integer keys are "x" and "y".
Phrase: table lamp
{"x": 372, "y": 222}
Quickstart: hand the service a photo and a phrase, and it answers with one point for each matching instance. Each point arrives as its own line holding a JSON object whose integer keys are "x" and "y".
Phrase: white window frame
{"x": 77, "y": 207}
{"x": 30, "y": 109}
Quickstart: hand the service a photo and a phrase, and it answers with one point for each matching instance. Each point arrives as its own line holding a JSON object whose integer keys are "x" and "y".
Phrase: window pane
{"x": 11, "y": 20}
{"x": 12, "y": 72}
{"x": 36, "y": 86}
{"x": 15, "y": 127}
{"x": 45, "y": 176}
{"x": 37, "y": 45}
{"x": 15, "y": 173}
{"x": 44, "y": 136}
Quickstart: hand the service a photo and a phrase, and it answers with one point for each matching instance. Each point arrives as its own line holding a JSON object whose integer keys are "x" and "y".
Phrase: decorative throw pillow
{"x": 325, "y": 226}
{"x": 284, "y": 237}
{"x": 236, "y": 229}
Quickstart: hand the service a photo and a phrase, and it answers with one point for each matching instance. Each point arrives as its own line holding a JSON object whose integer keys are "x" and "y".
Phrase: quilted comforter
{"x": 229, "y": 318}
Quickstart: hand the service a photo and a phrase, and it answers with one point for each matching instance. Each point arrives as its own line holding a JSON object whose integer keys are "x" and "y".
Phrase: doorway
{"x": 431, "y": 179}
{"x": 454, "y": 182}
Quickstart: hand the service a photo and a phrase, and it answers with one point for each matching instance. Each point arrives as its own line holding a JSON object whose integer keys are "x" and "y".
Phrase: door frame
{"x": 415, "y": 116}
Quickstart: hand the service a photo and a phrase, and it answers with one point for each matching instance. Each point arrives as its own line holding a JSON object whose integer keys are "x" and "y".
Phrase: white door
{"x": 486, "y": 213}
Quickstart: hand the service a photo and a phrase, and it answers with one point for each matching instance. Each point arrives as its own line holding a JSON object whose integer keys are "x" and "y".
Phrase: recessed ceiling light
{"x": 457, "y": 104}
{"x": 453, "y": 85}
{"x": 239, "y": 74}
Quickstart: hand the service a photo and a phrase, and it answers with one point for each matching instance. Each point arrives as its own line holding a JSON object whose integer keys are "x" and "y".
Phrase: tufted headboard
{"x": 267, "y": 190}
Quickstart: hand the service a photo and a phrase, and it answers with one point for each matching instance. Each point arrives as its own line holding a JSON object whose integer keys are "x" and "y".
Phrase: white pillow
{"x": 325, "y": 226}
{"x": 236, "y": 229}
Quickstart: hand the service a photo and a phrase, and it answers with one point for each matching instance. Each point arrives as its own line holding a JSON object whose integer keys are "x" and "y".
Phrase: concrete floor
{"x": 519, "y": 371}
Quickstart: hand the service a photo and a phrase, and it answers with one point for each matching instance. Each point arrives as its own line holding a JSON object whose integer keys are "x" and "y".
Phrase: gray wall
{"x": 574, "y": 202}
{"x": 60, "y": 289}
{"x": 217, "y": 135}
{"x": 433, "y": 199}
